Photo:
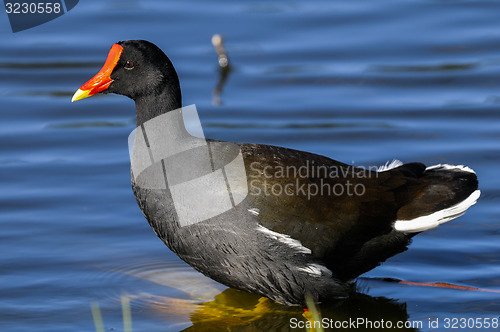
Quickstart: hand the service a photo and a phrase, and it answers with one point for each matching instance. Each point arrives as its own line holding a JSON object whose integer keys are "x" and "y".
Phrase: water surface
{"x": 359, "y": 81}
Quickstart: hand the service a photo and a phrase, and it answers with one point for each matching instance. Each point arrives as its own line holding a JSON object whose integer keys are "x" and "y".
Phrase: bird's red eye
{"x": 129, "y": 65}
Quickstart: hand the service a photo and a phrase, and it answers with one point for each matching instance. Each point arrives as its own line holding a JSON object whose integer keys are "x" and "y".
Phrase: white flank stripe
{"x": 435, "y": 219}
{"x": 254, "y": 211}
{"x": 316, "y": 270}
{"x": 285, "y": 239}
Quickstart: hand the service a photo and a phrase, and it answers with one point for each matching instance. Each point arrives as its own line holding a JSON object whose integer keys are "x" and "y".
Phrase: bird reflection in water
{"x": 208, "y": 306}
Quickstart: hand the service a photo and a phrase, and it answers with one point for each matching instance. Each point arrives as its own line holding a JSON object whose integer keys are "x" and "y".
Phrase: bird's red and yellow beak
{"x": 102, "y": 79}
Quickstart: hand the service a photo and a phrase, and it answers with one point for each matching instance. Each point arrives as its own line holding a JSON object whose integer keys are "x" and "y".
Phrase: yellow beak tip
{"x": 80, "y": 94}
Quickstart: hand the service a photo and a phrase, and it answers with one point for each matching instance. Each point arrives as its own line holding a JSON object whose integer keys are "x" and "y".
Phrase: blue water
{"x": 362, "y": 82}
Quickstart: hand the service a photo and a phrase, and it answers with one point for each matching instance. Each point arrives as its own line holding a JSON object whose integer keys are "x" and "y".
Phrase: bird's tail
{"x": 447, "y": 192}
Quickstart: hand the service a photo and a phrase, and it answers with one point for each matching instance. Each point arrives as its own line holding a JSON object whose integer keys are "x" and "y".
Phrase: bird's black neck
{"x": 150, "y": 106}
{"x": 166, "y": 107}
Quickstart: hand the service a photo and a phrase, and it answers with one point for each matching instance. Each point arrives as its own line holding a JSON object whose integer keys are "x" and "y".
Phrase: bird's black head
{"x": 137, "y": 69}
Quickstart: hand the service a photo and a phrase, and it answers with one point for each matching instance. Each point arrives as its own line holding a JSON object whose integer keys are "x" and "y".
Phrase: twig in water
{"x": 224, "y": 67}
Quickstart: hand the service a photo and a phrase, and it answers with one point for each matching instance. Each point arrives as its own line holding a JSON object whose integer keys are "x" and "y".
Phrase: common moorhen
{"x": 270, "y": 220}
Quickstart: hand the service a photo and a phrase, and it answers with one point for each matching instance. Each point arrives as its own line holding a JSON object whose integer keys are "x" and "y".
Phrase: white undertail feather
{"x": 449, "y": 167}
{"x": 396, "y": 163}
{"x": 435, "y": 219}
{"x": 390, "y": 165}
